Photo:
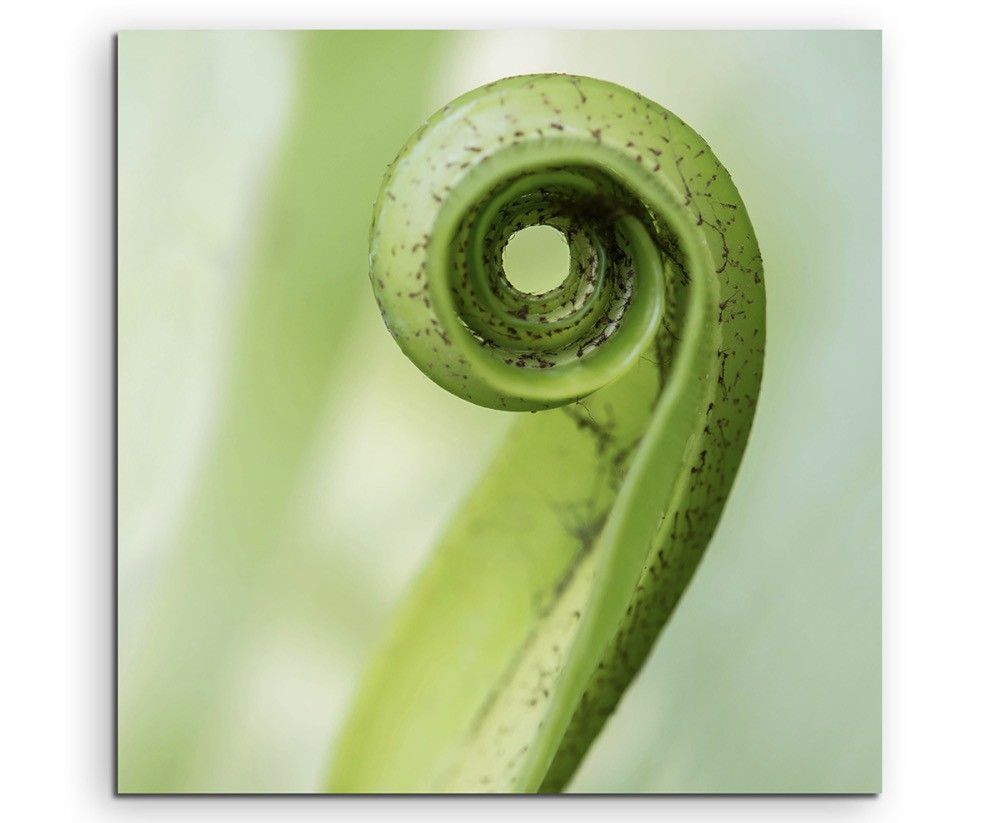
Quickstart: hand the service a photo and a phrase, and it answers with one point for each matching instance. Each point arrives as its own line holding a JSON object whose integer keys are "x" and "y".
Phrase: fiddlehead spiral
{"x": 652, "y": 346}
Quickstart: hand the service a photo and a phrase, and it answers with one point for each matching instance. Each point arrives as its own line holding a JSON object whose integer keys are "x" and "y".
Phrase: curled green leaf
{"x": 556, "y": 576}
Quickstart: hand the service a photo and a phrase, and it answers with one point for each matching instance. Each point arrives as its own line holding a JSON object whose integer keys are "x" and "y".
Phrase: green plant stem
{"x": 548, "y": 591}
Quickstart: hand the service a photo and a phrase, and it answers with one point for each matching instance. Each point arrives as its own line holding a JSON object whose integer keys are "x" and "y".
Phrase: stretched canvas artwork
{"x": 499, "y": 412}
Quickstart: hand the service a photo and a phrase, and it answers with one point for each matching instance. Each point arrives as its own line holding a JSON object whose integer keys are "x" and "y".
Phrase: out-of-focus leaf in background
{"x": 291, "y": 285}
{"x": 283, "y": 469}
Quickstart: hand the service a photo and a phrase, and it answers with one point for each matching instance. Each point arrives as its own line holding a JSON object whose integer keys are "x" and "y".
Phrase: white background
{"x": 941, "y": 567}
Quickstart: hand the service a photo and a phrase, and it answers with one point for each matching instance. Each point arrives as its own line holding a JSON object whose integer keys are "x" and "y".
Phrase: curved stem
{"x": 524, "y": 631}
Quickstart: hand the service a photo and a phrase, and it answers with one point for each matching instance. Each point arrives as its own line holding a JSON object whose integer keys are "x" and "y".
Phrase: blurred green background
{"x": 284, "y": 470}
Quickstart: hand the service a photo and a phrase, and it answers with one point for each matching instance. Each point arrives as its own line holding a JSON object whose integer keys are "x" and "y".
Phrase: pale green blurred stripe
{"x": 293, "y": 305}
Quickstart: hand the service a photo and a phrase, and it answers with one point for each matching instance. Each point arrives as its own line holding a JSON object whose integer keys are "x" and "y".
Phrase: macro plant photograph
{"x": 498, "y": 412}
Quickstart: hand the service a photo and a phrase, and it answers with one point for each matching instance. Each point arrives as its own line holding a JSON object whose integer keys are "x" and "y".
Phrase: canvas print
{"x": 498, "y": 412}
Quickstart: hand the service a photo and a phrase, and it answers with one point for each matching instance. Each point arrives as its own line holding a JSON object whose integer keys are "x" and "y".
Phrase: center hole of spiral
{"x": 536, "y": 259}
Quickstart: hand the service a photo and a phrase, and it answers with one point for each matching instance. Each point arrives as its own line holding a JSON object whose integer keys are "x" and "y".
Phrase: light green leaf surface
{"x": 552, "y": 583}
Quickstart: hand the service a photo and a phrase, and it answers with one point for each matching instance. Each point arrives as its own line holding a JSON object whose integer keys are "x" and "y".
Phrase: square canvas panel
{"x": 499, "y": 411}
